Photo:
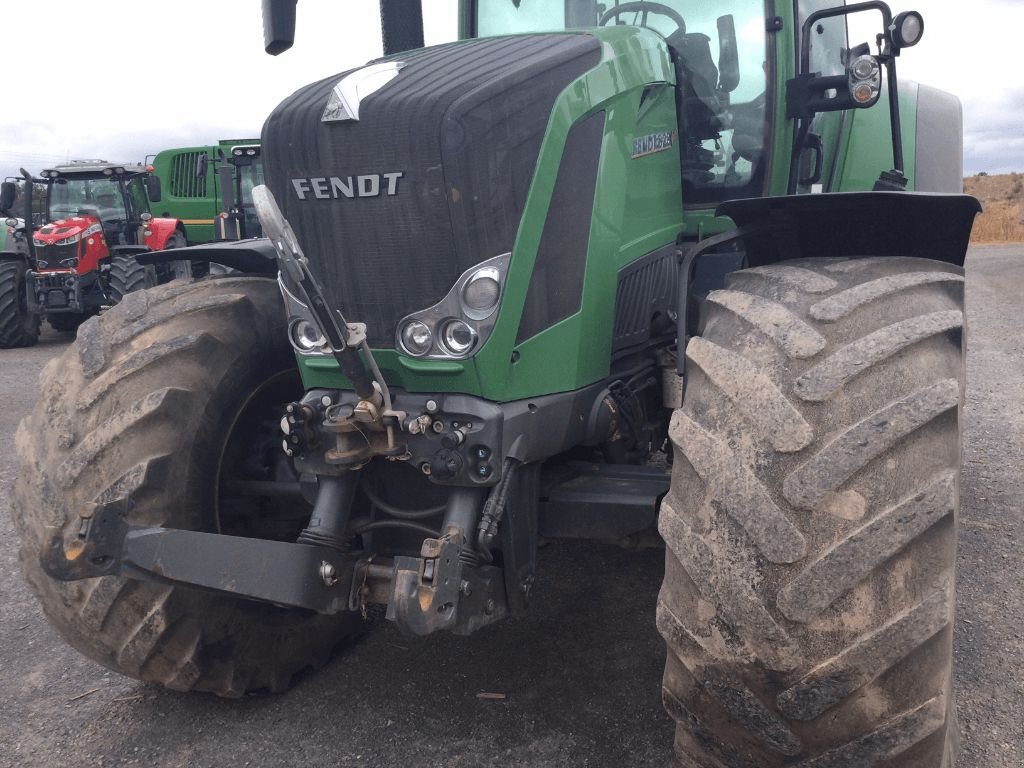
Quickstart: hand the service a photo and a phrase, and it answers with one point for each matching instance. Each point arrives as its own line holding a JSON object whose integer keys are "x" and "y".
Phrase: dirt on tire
{"x": 140, "y": 407}
{"x": 811, "y": 527}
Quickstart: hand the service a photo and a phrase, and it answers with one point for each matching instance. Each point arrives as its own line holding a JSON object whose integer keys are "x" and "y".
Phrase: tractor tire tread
{"x": 810, "y": 527}
{"x": 128, "y": 407}
{"x": 18, "y": 327}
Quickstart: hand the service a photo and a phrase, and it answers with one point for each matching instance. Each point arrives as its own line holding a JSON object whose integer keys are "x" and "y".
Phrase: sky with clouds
{"x": 120, "y": 79}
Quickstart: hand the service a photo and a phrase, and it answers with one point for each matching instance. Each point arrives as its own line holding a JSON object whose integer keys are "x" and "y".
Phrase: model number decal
{"x": 653, "y": 142}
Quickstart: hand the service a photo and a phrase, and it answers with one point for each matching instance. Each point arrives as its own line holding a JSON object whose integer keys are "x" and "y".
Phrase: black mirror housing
{"x": 202, "y": 165}
{"x": 728, "y": 55}
{"x": 8, "y": 194}
{"x": 153, "y": 189}
{"x": 278, "y": 25}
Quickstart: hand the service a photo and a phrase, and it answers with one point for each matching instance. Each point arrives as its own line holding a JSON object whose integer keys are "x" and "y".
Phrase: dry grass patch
{"x": 1002, "y": 197}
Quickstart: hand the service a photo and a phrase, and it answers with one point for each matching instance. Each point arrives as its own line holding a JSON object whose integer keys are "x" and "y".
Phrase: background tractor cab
{"x": 238, "y": 171}
{"x": 95, "y": 220}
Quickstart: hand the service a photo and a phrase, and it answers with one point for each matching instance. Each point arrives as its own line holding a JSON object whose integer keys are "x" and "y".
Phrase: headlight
{"x": 305, "y": 336}
{"x": 416, "y": 338}
{"x": 481, "y": 292}
{"x": 12, "y": 222}
{"x": 461, "y": 322}
{"x": 458, "y": 338}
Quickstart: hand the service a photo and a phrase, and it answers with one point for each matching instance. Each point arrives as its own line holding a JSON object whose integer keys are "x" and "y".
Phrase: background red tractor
{"x": 80, "y": 252}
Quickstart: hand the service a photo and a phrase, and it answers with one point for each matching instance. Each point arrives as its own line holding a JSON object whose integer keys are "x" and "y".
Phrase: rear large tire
{"x": 811, "y": 525}
{"x": 144, "y": 405}
{"x": 18, "y": 326}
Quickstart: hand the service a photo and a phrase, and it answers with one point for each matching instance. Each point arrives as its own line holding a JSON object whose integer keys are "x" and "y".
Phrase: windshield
{"x": 249, "y": 176}
{"x": 86, "y": 197}
{"x": 721, "y": 60}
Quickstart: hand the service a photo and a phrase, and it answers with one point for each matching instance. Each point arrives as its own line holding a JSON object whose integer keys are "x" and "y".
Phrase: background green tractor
{"x": 202, "y": 184}
{"x": 681, "y": 227}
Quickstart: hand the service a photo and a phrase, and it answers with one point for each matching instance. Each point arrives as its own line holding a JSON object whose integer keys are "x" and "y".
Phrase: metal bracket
{"x": 687, "y": 262}
{"x": 275, "y": 572}
{"x": 425, "y": 589}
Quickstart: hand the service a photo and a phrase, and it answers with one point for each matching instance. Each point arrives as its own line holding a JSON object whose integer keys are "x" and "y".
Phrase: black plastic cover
{"x": 856, "y": 224}
{"x": 556, "y": 285}
{"x": 255, "y": 257}
{"x": 463, "y": 124}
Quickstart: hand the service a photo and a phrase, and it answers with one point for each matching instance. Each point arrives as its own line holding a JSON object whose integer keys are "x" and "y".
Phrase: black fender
{"x": 854, "y": 224}
{"x": 129, "y": 250}
{"x": 844, "y": 224}
{"x": 254, "y": 257}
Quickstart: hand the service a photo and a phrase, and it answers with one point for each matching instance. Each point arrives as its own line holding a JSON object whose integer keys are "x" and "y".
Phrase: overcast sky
{"x": 119, "y": 79}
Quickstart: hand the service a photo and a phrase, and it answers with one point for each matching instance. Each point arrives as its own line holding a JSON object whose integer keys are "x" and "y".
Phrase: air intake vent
{"x": 184, "y": 182}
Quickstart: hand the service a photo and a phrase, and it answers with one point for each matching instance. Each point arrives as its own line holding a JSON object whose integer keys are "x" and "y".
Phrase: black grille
{"x": 53, "y": 255}
{"x": 463, "y": 123}
{"x": 556, "y": 285}
{"x": 646, "y": 294}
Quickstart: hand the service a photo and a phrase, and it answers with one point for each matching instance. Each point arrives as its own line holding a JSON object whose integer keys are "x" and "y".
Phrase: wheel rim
{"x": 253, "y": 434}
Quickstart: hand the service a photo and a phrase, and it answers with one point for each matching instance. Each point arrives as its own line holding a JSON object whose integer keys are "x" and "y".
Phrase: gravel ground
{"x": 580, "y": 674}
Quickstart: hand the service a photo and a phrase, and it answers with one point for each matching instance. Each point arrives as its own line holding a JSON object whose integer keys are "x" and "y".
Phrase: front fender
{"x": 855, "y": 224}
{"x": 162, "y": 230}
{"x": 254, "y": 257}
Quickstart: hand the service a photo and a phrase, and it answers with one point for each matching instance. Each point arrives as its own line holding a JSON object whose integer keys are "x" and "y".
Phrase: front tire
{"x": 145, "y": 405}
{"x": 811, "y": 525}
{"x": 18, "y": 326}
{"x": 127, "y": 275}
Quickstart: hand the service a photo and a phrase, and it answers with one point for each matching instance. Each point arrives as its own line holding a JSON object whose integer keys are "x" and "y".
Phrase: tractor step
{"x": 601, "y": 501}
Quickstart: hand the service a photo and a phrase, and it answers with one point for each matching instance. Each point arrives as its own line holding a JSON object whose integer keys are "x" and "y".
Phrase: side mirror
{"x": 8, "y": 193}
{"x": 728, "y": 55}
{"x": 202, "y": 165}
{"x": 278, "y": 25}
{"x": 153, "y": 189}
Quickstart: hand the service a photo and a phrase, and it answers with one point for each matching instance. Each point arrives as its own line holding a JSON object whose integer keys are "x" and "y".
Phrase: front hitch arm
{"x": 282, "y": 573}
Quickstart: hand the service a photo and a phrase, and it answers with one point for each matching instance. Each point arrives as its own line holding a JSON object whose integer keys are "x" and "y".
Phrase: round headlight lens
{"x": 865, "y": 67}
{"x": 306, "y": 337}
{"x": 458, "y": 337}
{"x": 416, "y": 338}
{"x": 482, "y": 290}
{"x": 12, "y": 222}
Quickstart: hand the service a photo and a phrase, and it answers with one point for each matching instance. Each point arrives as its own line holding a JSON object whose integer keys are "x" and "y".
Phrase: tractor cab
{"x": 750, "y": 124}
{"x": 239, "y": 172}
{"x": 92, "y": 197}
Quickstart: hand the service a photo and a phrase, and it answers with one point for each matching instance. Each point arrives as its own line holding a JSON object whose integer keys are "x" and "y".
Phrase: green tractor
{"x": 598, "y": 270}
{"x": 201, "y": 183}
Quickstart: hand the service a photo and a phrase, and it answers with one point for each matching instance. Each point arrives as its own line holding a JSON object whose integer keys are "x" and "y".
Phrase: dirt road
{"x": 579, "y": 675}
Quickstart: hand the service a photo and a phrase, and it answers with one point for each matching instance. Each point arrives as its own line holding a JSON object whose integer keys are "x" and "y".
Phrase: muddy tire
{"x": 142, "y": 406}
{"x": 18, "y": 326}
{"x": 127, "y": 275}
{"x": 811, "y": 526}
